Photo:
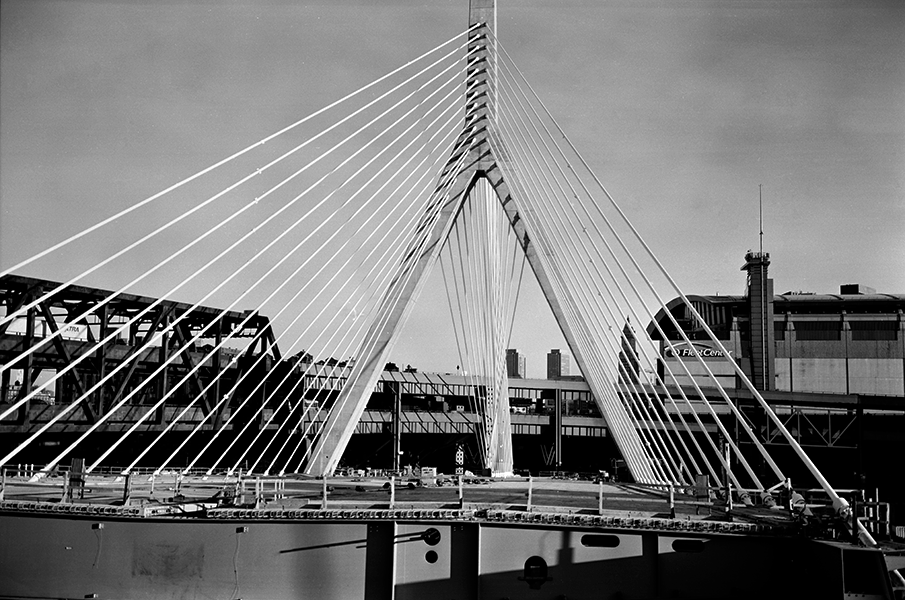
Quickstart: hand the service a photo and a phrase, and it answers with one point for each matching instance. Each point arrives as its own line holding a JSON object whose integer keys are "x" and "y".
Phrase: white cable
{"x": 407, "y": 269}
{"x": 179, "y": 184}
{"x": 543, "y": 256}
{"x": 232, "y": 216}
{"x": 300, "y": 440}
{"x": 100, "y": 421}
{"x": 283, "y": 284}
{"x": 378, "y": 210}
{"x": 312, "y": 256}
{"x": 731, "y": 405}
{"x": 581, "y": 286}
{"x": 283, "y": 208}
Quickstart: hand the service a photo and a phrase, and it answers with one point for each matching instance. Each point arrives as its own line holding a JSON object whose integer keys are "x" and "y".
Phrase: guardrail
{"x": 199, "y": 495}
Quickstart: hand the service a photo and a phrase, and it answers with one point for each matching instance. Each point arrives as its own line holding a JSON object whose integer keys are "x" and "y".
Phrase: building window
{"x": 779, "y": 330}
{"x": 863, "y": 331}
{"x": 813, "y": 331}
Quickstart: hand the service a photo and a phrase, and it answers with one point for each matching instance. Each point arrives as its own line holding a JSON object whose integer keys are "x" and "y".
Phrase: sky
{"x": 682, "y": 108}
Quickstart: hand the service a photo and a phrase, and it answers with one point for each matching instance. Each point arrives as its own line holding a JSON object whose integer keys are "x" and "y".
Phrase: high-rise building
{"x": 558, "y": 364}
{"x": 515, "y": 363}
{"x": 629, "y": 366}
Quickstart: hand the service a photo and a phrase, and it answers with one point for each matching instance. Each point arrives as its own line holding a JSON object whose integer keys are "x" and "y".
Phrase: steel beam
{"x": 47, "y": 314}
{"x": 137, "y": 348}
{"x": 190, "y": 364}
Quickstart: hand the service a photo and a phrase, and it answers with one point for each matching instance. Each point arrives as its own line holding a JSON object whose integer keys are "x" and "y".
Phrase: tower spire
{"x": 483, "y": 76}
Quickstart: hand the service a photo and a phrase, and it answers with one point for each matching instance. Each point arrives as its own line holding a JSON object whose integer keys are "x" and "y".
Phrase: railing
{"x": 25, "y": 487}
{"x": 109, "y": 486}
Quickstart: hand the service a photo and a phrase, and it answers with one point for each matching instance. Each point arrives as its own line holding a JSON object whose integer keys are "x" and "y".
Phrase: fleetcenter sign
{"x": 691, "y": 350}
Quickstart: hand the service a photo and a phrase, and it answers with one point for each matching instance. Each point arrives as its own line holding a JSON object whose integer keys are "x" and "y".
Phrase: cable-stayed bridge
{"x": 237, "y": 326}
{"x": 309, "y": 250}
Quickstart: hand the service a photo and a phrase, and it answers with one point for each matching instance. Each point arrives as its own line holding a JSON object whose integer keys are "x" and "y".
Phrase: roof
{"x": 791, "y": 302}
{"x": 15, "y": 285}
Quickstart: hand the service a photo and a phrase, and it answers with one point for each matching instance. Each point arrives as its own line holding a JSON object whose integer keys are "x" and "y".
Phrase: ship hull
{"x": 373, "y": 557}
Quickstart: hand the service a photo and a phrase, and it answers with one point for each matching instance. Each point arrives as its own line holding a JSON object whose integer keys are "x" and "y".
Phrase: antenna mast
{"x": 760, "y": 194}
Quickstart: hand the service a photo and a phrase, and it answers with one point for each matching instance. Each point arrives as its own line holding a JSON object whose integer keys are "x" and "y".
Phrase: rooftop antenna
{"x": 760, "y": 194}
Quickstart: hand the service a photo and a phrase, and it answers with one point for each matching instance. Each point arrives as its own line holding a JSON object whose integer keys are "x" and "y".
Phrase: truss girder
{"x": 64, "y": 352}
{"x": 37, "y": 344}
{"x": 137, "y": 349}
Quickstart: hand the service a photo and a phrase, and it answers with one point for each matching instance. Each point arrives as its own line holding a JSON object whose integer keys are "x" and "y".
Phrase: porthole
{"x": 535, "y": 572}
{"x": 688, "y": 546}
{"x": 431, "y": 536}
{"x": 600, "y": 541}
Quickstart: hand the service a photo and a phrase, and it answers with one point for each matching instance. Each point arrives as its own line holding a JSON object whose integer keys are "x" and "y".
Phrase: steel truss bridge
{"x": 448, "y": 169}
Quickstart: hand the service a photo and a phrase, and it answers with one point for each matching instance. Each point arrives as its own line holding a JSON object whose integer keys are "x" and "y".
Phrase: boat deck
{"x": 517, "y": 500}
{"x": 290, "y": 537}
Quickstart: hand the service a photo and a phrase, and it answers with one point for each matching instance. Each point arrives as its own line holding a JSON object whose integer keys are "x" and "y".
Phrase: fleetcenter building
{"x": 852, "y": 342}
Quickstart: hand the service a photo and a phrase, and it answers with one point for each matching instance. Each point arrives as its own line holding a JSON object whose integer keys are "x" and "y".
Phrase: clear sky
{"x": 682, "y": 108}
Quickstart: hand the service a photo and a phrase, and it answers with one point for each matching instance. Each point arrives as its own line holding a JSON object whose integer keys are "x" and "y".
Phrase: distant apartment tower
{"x": 558, "y": 364}
{"x": 515, "y": 364}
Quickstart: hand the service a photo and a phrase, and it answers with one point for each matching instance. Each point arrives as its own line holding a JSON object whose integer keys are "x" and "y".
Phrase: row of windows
{"x": 716, "y": 316}
{"x": 808, "y": 331}
{"x": 874, "y": 330}
{"x": 862, "y": 331}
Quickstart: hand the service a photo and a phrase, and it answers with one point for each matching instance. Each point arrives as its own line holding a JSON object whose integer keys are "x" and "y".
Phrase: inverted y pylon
{"x": 478, "y": 154}
{"x": 465, "y": 166}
